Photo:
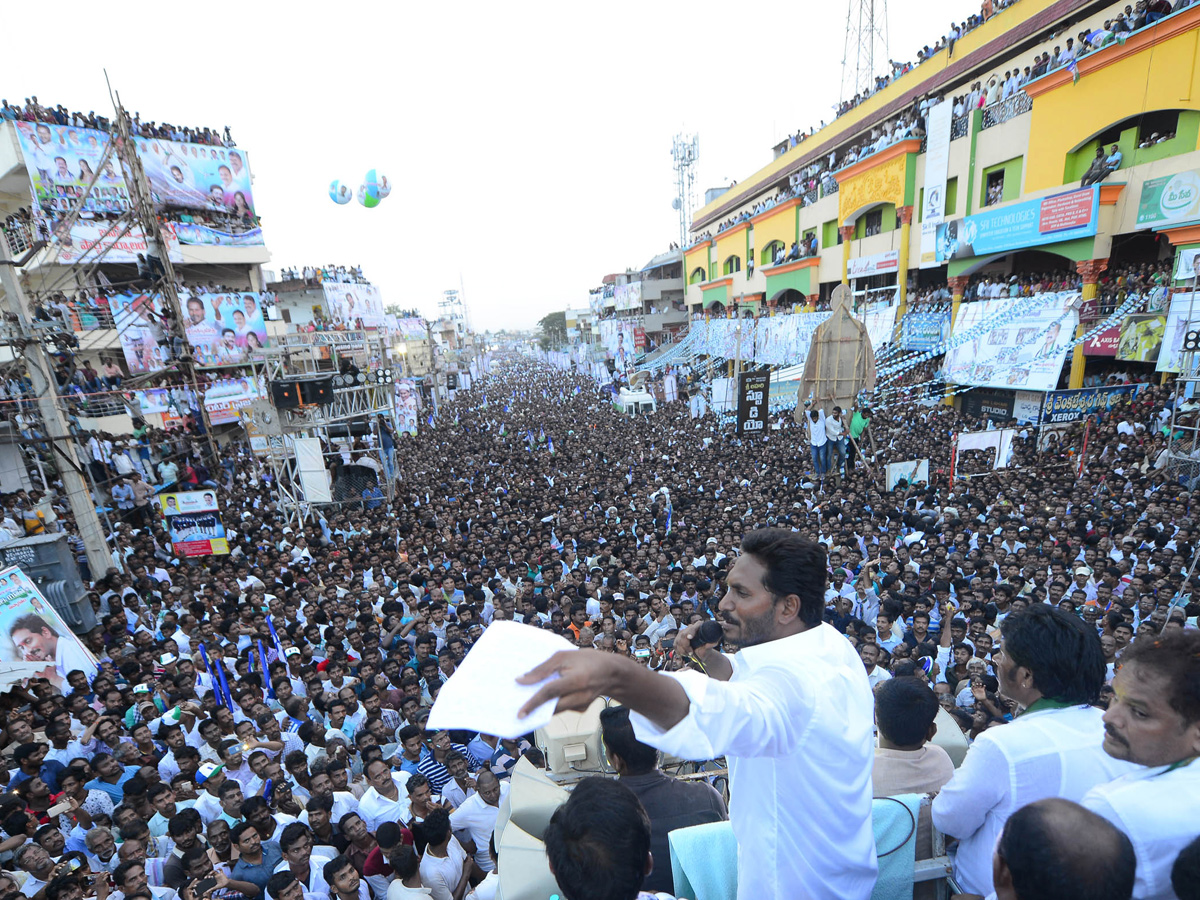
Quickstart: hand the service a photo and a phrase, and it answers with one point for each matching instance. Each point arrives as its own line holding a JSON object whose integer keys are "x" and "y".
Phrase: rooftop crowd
{"x": 35, "y": 111}
{"x": 532, "y": 500}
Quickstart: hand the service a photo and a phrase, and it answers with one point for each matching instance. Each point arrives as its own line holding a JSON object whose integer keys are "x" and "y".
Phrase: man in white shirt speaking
{"x": 1053, "y": 666}
{"x": 791, "y": 711}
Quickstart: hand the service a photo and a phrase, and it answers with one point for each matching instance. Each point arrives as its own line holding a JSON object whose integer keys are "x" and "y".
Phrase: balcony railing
{"x": 959, "y": 126}
{"x": 20, "y": 237}
{"x": 999, "y": 113}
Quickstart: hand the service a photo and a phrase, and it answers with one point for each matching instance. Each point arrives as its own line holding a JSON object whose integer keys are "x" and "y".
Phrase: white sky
{"x": 530, "y": 144}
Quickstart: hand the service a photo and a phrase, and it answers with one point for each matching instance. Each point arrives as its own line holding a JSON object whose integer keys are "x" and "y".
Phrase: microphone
{"x": 709, "y": 632}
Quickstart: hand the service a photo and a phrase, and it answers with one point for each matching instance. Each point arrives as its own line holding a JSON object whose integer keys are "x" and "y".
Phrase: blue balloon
{"x": 340, "y": 193}
{"x": 377, "y": 184}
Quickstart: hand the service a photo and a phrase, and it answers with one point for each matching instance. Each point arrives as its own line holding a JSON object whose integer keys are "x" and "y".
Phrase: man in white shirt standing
{"x": 792, "y": 707}
{"x": 1153, "y": 721}
{"x": 1053, "y": 666}
{"x": 477, "y": 815}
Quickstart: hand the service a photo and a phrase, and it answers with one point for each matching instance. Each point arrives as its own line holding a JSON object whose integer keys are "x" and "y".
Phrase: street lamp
{"x": 401, "y": 350}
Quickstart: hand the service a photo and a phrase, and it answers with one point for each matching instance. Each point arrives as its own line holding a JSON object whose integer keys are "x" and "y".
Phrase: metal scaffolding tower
{"x": 273, "y": 432}
{"x": 685, "y": 153}
{"x": 866, "y": 49}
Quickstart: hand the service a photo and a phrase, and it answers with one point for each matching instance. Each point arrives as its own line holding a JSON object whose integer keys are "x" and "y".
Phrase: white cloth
{"x": 795, "y": 723}
{"x": 375, "y": 809}
{"x": 1157, "y": 810}
{"x": 1000, "y": 440}
{"x": 478, "y": 819}
{"x": 441, "y": 875}
{"x": 1044, "y": 753}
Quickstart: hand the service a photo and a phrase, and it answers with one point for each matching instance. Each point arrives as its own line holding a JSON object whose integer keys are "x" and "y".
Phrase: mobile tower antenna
{"x": 685, "y": 152}
{"x": 866, "y": 45}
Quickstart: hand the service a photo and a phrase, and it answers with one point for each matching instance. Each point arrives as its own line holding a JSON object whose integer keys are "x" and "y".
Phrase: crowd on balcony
{"x": 318, "y": 274}
{"x": 34, "y": 111}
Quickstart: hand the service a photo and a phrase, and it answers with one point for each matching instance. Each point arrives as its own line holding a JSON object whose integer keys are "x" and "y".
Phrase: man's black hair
{"x": 905, "y": 707}
{"x": 794, "y": 565}
{"x": 597, "y": 842}
{"x": 1055, "y": 848}
{"x": 1061, "y": 650}
{"x": 618, "y": 736}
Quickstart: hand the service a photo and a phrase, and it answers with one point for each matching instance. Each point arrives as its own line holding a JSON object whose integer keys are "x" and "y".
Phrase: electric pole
{"x": 142, "y": 207}
{"x": 40, "y": 369}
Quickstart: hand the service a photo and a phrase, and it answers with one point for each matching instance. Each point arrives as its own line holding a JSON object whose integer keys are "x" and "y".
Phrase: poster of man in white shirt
{"x": 32, "y": 632}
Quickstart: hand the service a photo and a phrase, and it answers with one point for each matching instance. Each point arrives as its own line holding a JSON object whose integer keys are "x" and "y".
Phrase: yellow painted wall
{"x": 696, "y": 259}
{"x": 849, "y": 124}
{"x": 1070, "y": 114}
{"x": 731, "y": 243}
{"x": 778, "y": 225}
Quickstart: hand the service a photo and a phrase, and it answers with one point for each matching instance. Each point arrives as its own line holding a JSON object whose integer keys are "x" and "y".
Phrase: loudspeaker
{"x": 318, "y": 391}
{"x": 286, "y": 394}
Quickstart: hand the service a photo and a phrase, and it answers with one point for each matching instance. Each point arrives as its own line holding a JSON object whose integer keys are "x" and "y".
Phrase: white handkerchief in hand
{"x": 483, "y": 694}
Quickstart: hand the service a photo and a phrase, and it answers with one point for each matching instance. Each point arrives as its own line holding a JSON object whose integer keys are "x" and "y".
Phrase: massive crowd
{"x": 532, "y": 500}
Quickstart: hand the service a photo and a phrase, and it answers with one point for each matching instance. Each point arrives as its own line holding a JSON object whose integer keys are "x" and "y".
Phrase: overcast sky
{"x": 530, "y": 143}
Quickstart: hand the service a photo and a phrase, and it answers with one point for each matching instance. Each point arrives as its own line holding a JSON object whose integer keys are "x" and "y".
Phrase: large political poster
{"x": 194, "y": 523}
{"x": 410, "y": 328}
{"x": 914, "y": 471}
{"x": 1022, "y": 347}
{"x": 349, "y": 303}
{"x": 31, "y": 631}
{"x": 139, "y": 324}
{"x": 881, "y": 321}
{"x": 617, "y": 337}
{"x": 225, "y": 329}
{"x": 212, "y": 236}
{"x": 1141, "y": 338}
{"x": 224, "y": 399}
{"x": 407, "y": 401}
{"x": 1182, "y": 317}
{"x": 62, "y": 161}
{"x": 197, "y": 176}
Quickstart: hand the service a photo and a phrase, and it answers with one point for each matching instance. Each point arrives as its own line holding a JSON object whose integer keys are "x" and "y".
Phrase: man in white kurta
{"x": 1052, "y": 749}
{"x": 791, "y": 712}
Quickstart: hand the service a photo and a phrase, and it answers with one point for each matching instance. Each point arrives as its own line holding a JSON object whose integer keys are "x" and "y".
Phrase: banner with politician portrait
{"x": 197, "y": 176}
{"x": 197, "y": 534}
{"x": 188, "y": 502}
{"x": 141, "y": 329}
{"x": 349, "y": 303}
{"x": 225, "y": 329}
{"x": 31, "y": 631}
{"x": 407, "y": 399}
{"x": 1022, "y": 345}
{"x": 87, "y": 240}
{"x": 62, "y": 161}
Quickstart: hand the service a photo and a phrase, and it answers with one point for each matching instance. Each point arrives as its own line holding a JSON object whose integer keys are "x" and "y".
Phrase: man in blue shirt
{"x": 31, "y": 760}
{"x": 110, "y": 776}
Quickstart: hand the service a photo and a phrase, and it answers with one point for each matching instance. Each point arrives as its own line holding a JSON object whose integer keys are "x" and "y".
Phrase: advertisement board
{"x": 1103, "y": 344}
{"x": 187, "y": 503}
{"x": 349, "y": 303}
{"x": 196, "y": 176}
{"x": 937, "y": 162}
{"x": 1141, "y": 338}
{"x": 211, "y": 236}
{"x": 224, "y": 399}
{"x": 411, "y": 329}
{"x": 878, "y": 264}
{"x": 924, "y": 330}
{"x": 998, "y": 348}
{"x": 753, "y": 390}
{"x": 90, "y": 239}
{"x": 1169, "y": 199}
{"x": 225, "y": 328}
{"x": 1182, "y": 316}
{"x": 1047, "y": 220}
{"x": 197, "y": 534}
{"x": 31, "y": 631}
{"x": 1063, "y": 407}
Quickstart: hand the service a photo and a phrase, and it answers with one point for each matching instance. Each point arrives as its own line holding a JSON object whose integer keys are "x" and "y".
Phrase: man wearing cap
{"x": 1083, "y": 582}
{"x": 210, "y": 776}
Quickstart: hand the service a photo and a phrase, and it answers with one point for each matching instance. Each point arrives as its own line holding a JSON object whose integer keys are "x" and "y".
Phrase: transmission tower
{"x": 866, "y": 49}
{"x": 685, "y": 152}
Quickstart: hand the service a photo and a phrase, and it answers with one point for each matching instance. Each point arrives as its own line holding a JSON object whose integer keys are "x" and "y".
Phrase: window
{"x": 767, "y": 257}
{"x": 697, "y": 276}
{"x": 733, "y": 264}
{"x": 873, "y": 222}
{"x": 994, "y": 189}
